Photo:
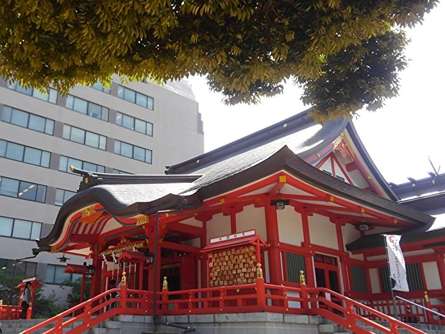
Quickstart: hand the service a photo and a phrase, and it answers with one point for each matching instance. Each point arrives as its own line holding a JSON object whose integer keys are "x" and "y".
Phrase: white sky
{"x": 400, "y": 137}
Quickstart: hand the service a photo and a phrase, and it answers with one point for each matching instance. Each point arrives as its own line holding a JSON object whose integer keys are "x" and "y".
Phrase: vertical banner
{"x": 397, "y": 268}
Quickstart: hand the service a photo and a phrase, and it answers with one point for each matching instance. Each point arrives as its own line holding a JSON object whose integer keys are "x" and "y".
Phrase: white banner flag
{"x": 396, "y": 262}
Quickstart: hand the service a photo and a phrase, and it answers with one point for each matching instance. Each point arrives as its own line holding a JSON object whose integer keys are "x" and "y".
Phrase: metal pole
{"x": 390, "y": 284}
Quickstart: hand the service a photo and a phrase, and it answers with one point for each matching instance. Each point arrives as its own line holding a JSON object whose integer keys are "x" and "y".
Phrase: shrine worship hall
{"x": 288, "y": 220}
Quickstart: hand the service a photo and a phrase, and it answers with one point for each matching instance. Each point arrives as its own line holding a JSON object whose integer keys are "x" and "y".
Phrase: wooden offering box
{"x": 232, "y": 260}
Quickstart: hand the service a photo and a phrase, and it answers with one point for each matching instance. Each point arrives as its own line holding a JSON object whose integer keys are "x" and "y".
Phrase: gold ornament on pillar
{"x": 124, "y": 279}
{"x": 259, "y": 271}
{"x": 165, "y": 284}
{"x": 302, "y": 278}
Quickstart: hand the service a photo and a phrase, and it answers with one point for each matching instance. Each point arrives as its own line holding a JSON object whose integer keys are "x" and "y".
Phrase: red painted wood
{"x": 233, "y": 222}
{"x": 343, "y": 260}
{"x": 275, "y": 270}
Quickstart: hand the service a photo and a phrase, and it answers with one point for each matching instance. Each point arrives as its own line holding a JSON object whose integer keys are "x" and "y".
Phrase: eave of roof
{"x": 377, "y": 240}
{"x": 430, "y": 184}
{"x": 193, "y": 195}
{"x": 432, "y": 204}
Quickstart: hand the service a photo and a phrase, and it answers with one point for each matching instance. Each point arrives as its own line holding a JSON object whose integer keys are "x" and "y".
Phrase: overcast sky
{"x": 400, "y": 137}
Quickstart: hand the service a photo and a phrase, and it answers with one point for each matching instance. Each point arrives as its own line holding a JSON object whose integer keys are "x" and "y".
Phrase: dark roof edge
{"x": 432, "y": 204}
{"x": 369, "y": 162}
{"x": 376, "y": 240}
{"x": 90, "y": 179}
{"x": 113, "y": 207}
{"x": 421, "y": 186}
{"x": 277, "y": 130}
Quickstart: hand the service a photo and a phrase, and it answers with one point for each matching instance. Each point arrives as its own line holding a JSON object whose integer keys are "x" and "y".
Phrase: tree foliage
{"x": 337, "y": 49}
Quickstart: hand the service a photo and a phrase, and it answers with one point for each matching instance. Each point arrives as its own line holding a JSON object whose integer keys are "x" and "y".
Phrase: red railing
{"x": 258, "y": 297}
{"x": 331, "y": 305}
{"x": 10, "y": 312}
{"x": 409, "y": 312}
{"x": 90, "y": 313}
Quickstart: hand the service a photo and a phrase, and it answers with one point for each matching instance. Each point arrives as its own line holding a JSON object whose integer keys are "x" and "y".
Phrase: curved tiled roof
{"x": 125, "y": 198}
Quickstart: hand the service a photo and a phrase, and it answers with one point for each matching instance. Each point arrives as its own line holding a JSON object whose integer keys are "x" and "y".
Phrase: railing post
{"x": 304, "y": 293}
{"x": 164, "y": 298}
{"x": 87, "y": 316}
{"x": 260, "y": 288}
{"x": 123, "y": 293}
{"x": 29, "y": 312}
{"x": 58, "y": 326}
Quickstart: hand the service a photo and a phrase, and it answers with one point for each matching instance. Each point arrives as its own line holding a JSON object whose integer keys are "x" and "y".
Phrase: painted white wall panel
{"x": 290, "y": 228}
{"x": 322, "y": 231}
{"x": 252, "y": 218}
{"x": 432, "y": 277}
{"x": 375, "y": 285}
{"x": 219, "y": 225}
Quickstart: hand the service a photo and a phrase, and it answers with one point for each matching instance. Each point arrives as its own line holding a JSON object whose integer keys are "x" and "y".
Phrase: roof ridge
{"x": 298, "y": 121}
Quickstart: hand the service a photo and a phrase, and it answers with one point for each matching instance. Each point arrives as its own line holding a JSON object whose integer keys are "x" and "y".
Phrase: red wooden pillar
{"x": 204, "y": 218}
{"x": 154, "y": 269}
{"x": 203, "y": 260}
{"x": 233, "y": 222}
{"x": 96, "y": 278}
{"x": 343, "y": 259}
{"x": 307, "y": 244}
{"x": 275, "y": 270}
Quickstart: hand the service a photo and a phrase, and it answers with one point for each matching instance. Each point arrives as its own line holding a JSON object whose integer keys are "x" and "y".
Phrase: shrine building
{"x": 297, "y": 206}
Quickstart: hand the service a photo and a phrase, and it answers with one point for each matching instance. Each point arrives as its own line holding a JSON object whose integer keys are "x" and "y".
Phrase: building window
{"x": 49, "y": 95}
{"x": 86, "y": 107}
{"x": 22, "y": 189}
{"x": 18, "y": 228}
{"x": 358, "y": 279}
{"x": 18, "y": 268}
{"x": 23, "y": 153}
{"x": 132, "y": 151}
{"x": 294, "y": 264}
{"x": 413, "y": 275}
{"x": 84, "y": 137}
{"x": 62, "y": 196}
{"x": 27, "y": 120}
{"x": 56, "y": 275}
{"x": 66, "y": 162}
{"x": 101, "y": 87}
{"x": 118, "y": 171}
{"x": 135, "y": 97}
{"x": 134, "y": 124}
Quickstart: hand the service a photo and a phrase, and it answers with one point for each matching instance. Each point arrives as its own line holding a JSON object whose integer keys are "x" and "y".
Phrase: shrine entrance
{"x": 326, "y": 272}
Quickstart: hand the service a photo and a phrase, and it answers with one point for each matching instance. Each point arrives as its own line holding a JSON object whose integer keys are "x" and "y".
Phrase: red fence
{"x": 408, "y": 312}
{"x": 10, "y": 312}
{"x": 258, "y": 297}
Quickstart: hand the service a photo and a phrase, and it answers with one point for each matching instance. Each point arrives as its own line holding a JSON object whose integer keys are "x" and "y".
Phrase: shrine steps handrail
{"x": 96, "y": 310}
{"x": 352, "y": 304}
{"x": 441, "y": 315}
